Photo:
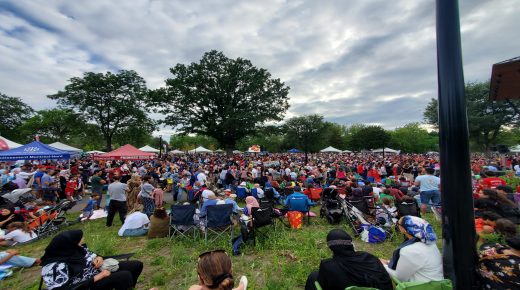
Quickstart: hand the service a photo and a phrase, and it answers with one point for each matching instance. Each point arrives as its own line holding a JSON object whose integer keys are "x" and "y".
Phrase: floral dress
{"x": 133, "y": 190}
{"x": 498, "y": 270}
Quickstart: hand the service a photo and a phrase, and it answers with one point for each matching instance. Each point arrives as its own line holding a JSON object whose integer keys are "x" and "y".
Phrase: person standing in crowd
{"x": 117, "y": 192}
{"x": 50, "y": 193}
{"x": 96, "y": 184}
{"x": 146, "y": 195}
{"x": 429, "y": 188}
{"x": 134, "y": 187}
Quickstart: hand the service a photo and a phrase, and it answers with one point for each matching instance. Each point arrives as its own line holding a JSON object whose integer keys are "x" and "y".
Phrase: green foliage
{"x": 226, "y": 99}
{"x": 305, "y": 132}
{"x": 52, "y": 125}
{"x": 486, "y": 119}
{"x": 367, "y": 137}
{"x": 14, "y": 113}
{"x": 115, "y": 102}
{"x": 411, "y": 138}
{"x": 334, "y": 135}
{"x": 188, "y": 142}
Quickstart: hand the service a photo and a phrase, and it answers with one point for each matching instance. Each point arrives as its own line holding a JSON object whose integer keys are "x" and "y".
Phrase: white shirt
{"x": 205, "y": 193}
{"x": 201, "y": 177}
{"x": 517, "y": 169}
{"x": 260, "y": 192}
{"x": 19, "y": 236}
{"x": 418, "y": 262}
{"x": 254, "y": 173}
{"x": 134, "y": 221}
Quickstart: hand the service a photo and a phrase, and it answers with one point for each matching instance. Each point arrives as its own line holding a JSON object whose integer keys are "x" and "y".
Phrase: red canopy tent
{"x": 127, "y": 152}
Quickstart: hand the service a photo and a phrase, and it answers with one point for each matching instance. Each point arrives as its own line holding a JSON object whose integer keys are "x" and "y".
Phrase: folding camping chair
{"x": 218, "y": 221}
{"x": 262, "y": 217}
{"x": 299, "y": 204}
{"x": 182, "y": 221}
{"x": 315, "y": 194}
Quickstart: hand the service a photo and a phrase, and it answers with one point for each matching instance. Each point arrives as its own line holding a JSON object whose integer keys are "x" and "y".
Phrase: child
{"x": 88, "y": 210}
{"x": 18, "y": 232}
{"x": 71, "y": 187}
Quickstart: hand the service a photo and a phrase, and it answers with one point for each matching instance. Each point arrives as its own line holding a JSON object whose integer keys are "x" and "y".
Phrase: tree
{"x": 411, "y": 138}
{"x": 305, "y": 132}
{"x": 223, "y": 98}
{"x": 186, "y": 142}
{"x": 486, "y": 119}
{"x": 14, "y": 113}
{"x": 369, "y": 137}
{"x": 431, "y": 113}
{"x": 334, "y": 135}
{"x": 115, "y": 102}
{"x": 53, "y": 125}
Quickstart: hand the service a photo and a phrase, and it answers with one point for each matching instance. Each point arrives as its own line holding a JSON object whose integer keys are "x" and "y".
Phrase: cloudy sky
{"x": 352, "y": 61}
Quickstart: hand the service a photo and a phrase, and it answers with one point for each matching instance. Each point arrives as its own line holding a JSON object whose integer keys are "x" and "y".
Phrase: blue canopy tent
{"x": 33, "y": 151}
{"x": 294, "y": 150}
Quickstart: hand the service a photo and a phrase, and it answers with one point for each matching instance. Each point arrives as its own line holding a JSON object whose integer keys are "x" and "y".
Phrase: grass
{"x": 282, "y": 261}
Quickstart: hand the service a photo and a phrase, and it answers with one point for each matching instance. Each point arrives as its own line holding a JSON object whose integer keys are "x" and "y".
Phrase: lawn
{"x": 282, "y": 261}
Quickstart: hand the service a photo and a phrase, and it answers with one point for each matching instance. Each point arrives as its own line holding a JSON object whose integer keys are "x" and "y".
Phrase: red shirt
{"x": 71, "y": 187}
{"x": 493, "y": 182}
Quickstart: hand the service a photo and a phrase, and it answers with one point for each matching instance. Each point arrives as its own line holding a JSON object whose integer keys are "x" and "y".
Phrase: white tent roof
{"x": 330, "y": 149}
{"x": 347, "y": 151}
{"x": 515, "y": 149}
{"x": 64, "y": 147}
{"x": 10, "y": 144}
{"x": 149, "y": 149}
{"x": 237, "y": 151}
{"x": 219, "y": 150}
{"x": 200, "y": 149}
{"x": 95, "y": 152}
{"x": 387, "y": 150}
{"x": 176, "y": 152}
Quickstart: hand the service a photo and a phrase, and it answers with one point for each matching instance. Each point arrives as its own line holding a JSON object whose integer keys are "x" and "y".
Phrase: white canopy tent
{"x": 387, "y": 150}
{"x": 149, "y": 149}
{"x": 10, "y": 144}
{"x": 219, "y": 151}
{"x": 515, "y": 149}
{"x": 237, "y": 151}
{"x": 200, "y": 149}
{"x": 330, "y": 149}
{"x": 65, "y": 147}
{"x": 176, "y": 152}
{"x": 347, "y": 151}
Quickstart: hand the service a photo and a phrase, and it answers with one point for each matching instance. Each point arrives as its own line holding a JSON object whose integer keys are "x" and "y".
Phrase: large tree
{"x": 369, "y": 137}
{"x": 14, "y": 113}
{"x": 53, "y": 125}
{"x": 486, "y": 119}
{"x": 223, "y": 98}
{"x": 305, "y": 132}
{"x": 412, "y": 138}
{"x": 115, "y": 102}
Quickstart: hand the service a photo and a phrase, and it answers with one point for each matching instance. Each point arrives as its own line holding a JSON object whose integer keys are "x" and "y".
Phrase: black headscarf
{"x": 351, "y": 268}
{"x": 16, "y": 217}
{"x": 65, "y": 248}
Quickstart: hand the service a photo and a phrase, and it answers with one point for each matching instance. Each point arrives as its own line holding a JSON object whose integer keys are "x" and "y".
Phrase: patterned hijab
{"x": 419, "y": 228}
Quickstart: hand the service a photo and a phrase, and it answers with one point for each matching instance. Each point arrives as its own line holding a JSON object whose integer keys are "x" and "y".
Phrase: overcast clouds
{"x": 352, "y": 61}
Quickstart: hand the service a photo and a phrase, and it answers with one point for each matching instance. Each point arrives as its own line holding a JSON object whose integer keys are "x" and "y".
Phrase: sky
{"x": 365, "y": 61}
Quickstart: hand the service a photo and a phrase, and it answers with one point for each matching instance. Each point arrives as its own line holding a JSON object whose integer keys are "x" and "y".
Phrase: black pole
{"x": 459, "y": 252}
{"x": 160, "y": 146}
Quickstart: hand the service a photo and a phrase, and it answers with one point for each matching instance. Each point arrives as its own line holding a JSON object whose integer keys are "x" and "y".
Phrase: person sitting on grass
{"x": 88, "y": 210}
{"x": 68, "y": 263}
{"x": 17, "y": 232}
{"x": 8, "y": 216}
{"x": 418, "y": 258}
{"x": 499, "y": 265}
{"x": 159, "y": 224}
{"x": 505, "y": 228}
{"x": 136, "y": 225}
{"x": 348, "y": 267}
{"x": 214, "y": 271}
{"x": 12, "y": 258}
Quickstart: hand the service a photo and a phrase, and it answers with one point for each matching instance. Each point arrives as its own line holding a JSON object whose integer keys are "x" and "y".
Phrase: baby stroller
{"x": 17, "y": 197}
{"x": 51, "y": 219}
{"x": 331, "y": 207}
{"x": 363, "y": 223}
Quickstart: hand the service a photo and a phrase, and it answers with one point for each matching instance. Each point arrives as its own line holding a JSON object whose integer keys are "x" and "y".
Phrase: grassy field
{"x": 282, "y": 261}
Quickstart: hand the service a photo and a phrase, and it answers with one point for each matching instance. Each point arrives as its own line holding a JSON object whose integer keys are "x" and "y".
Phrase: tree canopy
{"x": 53, "y": 125}
{"x": 14, "y": 113}
{"x": 226, "y": 99}
{"x": 486, "y": 119}
{"x": 368, "y": 137}
{"x": 305, "y": 132}
{"x": 114, "y": 102}
{"x": 411, "y": 138}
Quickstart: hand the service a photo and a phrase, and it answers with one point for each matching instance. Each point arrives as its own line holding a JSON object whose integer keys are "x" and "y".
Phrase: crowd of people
{"x": 135, "y": 191}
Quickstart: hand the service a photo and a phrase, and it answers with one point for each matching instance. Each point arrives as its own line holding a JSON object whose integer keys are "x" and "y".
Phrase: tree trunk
{"x": 108, "y": 139}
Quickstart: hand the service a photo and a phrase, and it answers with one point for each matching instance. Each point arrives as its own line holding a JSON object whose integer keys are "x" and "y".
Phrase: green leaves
{"x": 14, "y": 113}
{"x": 115, "y": 102}
{"x": 220, "y": 97}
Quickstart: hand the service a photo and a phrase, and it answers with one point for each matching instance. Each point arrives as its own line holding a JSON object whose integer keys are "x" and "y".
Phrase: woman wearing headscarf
{"x": 67, "y": 263}
{"x": 250, "y": 203}
{"x": 8, "y": 216}
{"x": 417, "y": 258}
{"x": 348, "y": 267}
{"x": 134, "y": 187}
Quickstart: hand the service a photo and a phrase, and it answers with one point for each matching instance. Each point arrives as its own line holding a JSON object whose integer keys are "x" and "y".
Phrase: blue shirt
{"x": 46, "y": 178}
{"x": 205, "y": 206}
{"x": 428, "y": 182}
{"x": 298, "y": 202}
{"x": 90, "y": 205}
{"x": 37, "y": 175}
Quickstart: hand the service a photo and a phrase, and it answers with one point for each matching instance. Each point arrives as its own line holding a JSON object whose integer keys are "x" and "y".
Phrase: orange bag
{"x": 295, "y": 219}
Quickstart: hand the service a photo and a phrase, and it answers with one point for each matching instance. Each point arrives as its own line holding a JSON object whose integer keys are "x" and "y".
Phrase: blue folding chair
{"x": 218, "y": 221}
{"x": 182, "y": 220}
{"x": 241, "y": 193}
